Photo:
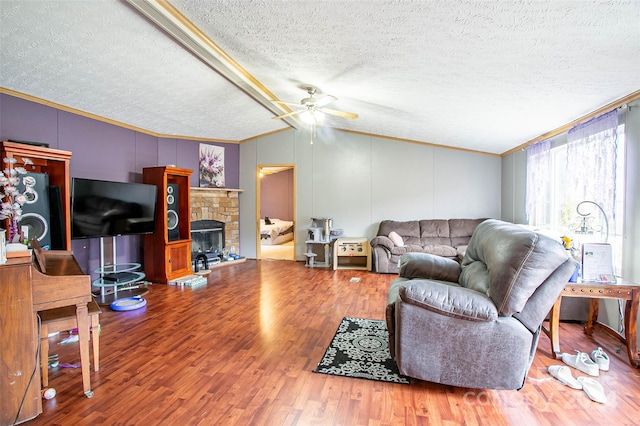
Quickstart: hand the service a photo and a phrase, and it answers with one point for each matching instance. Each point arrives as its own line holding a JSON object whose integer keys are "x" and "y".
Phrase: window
{"x": 552, "y": 203}
{"x": 566, "y": 220}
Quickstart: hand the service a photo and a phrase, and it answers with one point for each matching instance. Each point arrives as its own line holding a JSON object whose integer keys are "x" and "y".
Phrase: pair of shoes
{"x": 600, "y": 358}
{"x": 564, "y": 376}
{"x": 582, "y": 362}
{"x": 591, "y": 387}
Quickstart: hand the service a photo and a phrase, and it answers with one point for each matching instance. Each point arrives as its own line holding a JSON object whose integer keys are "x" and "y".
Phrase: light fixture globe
{"x": 307, "y": 117}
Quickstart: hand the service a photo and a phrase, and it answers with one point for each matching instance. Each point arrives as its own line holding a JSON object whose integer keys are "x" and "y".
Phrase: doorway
{"x": 276, "y": 212}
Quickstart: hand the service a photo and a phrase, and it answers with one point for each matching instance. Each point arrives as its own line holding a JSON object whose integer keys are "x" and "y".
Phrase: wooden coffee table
{"x": 624, "y": 290}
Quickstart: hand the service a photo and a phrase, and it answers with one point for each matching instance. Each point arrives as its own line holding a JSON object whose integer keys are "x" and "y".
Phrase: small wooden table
{"x": 624, "y": 290}
{"x": 352, "y": 253}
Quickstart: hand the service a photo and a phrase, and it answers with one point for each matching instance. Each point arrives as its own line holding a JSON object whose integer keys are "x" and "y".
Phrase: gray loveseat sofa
{"x": 476, "y": 324}
{"x": 442, "y": 237}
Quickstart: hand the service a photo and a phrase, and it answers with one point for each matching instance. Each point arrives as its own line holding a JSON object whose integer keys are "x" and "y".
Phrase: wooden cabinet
{"x": 178, "y": 259}
{"x": 19, "y": 368}
{"x": 55, "y": 163}
{"x": 167, "y": 252}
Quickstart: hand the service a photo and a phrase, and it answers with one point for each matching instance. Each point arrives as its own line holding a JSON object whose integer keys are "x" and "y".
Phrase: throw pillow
{"x": 396, "y": 239}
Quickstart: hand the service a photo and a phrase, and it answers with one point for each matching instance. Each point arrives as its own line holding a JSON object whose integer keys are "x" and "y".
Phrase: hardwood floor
{"x": 284, "y": 251}
{"x": 241, "y": 350}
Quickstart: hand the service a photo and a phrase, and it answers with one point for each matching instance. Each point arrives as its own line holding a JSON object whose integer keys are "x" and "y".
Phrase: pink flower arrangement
{"x": 12, "y": 199}
{"x": 212, "y": 168}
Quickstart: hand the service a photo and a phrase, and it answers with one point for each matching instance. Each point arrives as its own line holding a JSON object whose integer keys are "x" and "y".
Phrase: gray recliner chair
{"x": 476, "y": 324}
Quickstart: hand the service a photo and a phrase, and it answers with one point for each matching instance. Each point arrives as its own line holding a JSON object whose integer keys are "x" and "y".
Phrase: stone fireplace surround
{"x": 219, "y": 204}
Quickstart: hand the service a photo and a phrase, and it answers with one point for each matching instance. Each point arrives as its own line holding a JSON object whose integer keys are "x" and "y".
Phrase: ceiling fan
{"x": 313, "y": 109}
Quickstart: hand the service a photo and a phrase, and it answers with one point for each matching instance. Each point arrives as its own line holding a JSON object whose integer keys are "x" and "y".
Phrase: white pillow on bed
{"x": 396, "y": 239}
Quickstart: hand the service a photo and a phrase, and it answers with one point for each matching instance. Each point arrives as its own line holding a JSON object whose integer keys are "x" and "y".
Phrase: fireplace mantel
{"x": 198, "y": 189}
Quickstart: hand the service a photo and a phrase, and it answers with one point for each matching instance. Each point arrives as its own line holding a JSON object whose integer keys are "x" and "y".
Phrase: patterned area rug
{"x": 360, "y": 349}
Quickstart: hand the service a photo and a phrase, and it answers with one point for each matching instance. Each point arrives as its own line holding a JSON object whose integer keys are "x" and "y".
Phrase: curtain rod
{"x": 562, "y": 129}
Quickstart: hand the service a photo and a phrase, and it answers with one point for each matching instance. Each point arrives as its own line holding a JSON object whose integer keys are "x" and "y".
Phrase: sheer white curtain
{"x": 590, "y": 173}
{"x": 591, "y": 161}
{"x": 538, "y": 191}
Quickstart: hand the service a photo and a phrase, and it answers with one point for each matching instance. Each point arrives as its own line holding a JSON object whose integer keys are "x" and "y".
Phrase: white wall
{"x": 631, "y": 248}
{"x": 631, "y": 244}
{"x": 360, "y": 180}
{"x": 514, "y": 181}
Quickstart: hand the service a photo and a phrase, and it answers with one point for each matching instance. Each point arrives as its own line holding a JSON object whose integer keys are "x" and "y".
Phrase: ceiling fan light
{"x": 319, "y": 116}
{"x": 307, "y": 117}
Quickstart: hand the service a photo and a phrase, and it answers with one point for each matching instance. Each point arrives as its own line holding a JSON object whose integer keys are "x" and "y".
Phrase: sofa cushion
{"x": 410, "y": 228}
{"x": 444, "y": 251}
{"x": 449, "y": 299}
{"x": 461, "y": 230}
{"x": 396, "y": 239}
{"x": 526, "y": 259}
{"x": 440, "y": 250}
{"x": 434, "y": 232}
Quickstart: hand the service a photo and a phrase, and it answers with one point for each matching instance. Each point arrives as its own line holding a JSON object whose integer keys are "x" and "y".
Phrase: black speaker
{"x": 36, "y": 211}
{"x": 58, "y": 228}
{"x": 173, "y": 218}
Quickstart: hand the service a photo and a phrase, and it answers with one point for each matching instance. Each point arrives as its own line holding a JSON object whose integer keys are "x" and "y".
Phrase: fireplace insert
{"x": 207, "y": 243}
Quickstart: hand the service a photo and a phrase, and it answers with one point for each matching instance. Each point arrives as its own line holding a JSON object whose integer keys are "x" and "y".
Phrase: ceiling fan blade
{"x": 297, "y": 104}
{"x": 339, "y": 113}
{"x": 326, "y": 100}
{"x": 289, "y": 114}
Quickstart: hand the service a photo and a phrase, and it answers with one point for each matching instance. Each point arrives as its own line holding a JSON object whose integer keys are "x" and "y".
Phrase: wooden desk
{"x": 624, "y": 290}
{"x": 26, "y": 288}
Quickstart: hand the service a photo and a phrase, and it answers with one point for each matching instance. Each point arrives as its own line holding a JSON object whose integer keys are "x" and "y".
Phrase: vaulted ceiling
{"x": 483, "y": 75}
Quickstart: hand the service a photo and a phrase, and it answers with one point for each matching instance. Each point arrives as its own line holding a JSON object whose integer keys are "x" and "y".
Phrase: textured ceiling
{"x": 479, "y": 75}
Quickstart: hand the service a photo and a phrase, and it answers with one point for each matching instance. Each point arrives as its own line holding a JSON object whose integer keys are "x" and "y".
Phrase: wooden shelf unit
{"x": 53, "y": 162}
{"x": 165, "y": 259}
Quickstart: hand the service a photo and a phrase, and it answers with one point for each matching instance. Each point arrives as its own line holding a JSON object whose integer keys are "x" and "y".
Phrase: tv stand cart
{"x": 117, "y": 280}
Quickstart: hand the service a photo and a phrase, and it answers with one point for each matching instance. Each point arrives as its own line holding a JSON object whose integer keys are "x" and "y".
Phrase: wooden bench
{"x": 63, "y": 319}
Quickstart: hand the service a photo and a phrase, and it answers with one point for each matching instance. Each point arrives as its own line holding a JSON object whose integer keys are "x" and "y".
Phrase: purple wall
{"x": 108, "y": 152}
{"x": 276, "y": 195}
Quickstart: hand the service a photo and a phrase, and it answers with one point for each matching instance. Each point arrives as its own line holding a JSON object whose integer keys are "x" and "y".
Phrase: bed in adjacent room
{"x": 275, "y": 231}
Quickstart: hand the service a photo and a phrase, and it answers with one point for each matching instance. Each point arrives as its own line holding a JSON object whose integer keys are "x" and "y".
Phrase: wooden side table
{"x": 352, "y": 253}
{"x": 624, "y": 290}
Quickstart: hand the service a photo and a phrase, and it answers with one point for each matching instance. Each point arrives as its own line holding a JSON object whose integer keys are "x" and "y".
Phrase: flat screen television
{"x": 102, "y": 208}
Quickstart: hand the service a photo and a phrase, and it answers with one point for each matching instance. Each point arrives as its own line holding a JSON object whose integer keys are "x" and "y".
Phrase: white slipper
{"x": 600, "y": 358}
{"x": 564, "y": 376}
{"x": 582, "y": 362}
{"x": 593, "y": 389}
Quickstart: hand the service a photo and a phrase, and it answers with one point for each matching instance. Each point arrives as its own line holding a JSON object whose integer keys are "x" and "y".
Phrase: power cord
{"x": 620, "y": 317}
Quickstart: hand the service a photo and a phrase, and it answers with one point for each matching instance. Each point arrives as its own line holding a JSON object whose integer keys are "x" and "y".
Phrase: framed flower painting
{"x": 211, "y": 166}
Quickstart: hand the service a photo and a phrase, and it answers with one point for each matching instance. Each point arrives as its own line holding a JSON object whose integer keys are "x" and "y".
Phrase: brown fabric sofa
{"x": 443, "y": 237}
{"x": 476, "y": 324}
